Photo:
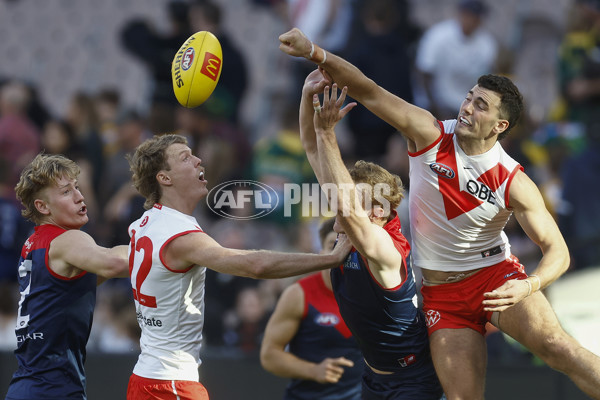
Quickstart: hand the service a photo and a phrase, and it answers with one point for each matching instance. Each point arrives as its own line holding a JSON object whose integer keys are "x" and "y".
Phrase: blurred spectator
{"x": 451, "y": 56}
{"x": 579, "y": 218}
{"x": 225, "y": 101}
{"x": 327, "y": 22}
{"x": 8, "y": 314}
{"x": 157, "y": 50}
{"x": 281, "y": 160}
{"x": 245, "y": 325}
{"x": 19, "y": 137}
{"x": 59, "y": 138}
{"x": 83, "y": 119}
{"x": 121, "y": 201}
{"x": 14, "y": 230}
{"x": 579, "y": 66}
{"x": 380, "y": 52}
{"x": 115, "y": 328}
{"x": 107, "y": 103}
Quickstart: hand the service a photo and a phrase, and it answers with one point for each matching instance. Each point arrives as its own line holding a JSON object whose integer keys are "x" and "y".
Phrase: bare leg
{"x": 460, "y": 359}
{"x": 532, "y": 323}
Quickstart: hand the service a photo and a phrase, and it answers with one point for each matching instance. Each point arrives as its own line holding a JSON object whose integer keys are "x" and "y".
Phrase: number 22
{"x": 144, "y": 243}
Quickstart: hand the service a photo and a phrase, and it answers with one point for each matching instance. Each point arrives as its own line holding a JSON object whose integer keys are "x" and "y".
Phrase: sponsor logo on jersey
{"x": 30, "y": 336}
{"x": 352, "y": 262}
{"x": 491, "y": 252}
{"x": 187, "y": 59}
{"x": 432, "y": 317}
{"x": 147, "y": 321}
{"x": 408, "y": 360}
{"x": 327, "y": 319}
{"x": 442, "y": 170}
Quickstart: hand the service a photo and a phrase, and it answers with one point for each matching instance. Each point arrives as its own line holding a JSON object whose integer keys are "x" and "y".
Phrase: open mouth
{"x": 201, "y": 176}
{"x": 83, "y": 209}
{"x": 464, "y": 121}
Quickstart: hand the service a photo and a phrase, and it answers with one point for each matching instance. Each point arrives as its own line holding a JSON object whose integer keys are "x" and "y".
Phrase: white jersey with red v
{"x": 459, "y": 204}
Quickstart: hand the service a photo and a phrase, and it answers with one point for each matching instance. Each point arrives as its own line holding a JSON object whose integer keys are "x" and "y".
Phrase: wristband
{"x": 530, "y": 286}
{"x": 539, "y": 281}
{"x": 314, "y": 55}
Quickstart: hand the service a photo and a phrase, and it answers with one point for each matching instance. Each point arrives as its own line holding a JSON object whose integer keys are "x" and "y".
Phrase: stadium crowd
{"x": 241, "y": 138}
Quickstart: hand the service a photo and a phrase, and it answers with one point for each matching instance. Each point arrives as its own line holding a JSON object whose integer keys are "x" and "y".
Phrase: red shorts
{"x": 458, "y": 305}
{"x": 155, "y": 389}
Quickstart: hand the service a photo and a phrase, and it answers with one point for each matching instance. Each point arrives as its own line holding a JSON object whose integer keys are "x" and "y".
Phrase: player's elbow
{"x": 258, "y": 268}
{"x": 267, "y": 358}
{"x": 115, "y": 268}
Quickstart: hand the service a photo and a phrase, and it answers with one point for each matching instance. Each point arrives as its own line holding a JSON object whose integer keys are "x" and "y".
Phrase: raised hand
{"x": 295, "y": 43}
{"x": 331, "y": 112}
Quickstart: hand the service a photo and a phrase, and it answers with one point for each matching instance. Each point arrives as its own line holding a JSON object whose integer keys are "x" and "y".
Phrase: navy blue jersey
{"x": 321, "y": 334}
{"x": 53, "y": 325}
{"x": 386, "y": 323}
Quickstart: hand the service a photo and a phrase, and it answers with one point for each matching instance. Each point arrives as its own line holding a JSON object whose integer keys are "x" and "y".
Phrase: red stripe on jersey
{"x": 494, "y": 177}
{"x": 456, "y": 201}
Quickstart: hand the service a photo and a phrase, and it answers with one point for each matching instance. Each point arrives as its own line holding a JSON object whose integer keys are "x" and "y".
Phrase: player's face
{"x": 479, "y": 116}
{"x": 63, "y": 204}
{"x": 186, "y": 172}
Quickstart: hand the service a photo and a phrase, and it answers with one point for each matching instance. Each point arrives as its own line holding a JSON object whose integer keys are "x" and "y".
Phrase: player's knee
{"x": 557, "y": 350}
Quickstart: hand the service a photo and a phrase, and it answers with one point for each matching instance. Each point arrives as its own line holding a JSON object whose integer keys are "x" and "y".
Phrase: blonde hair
{"x": 45, "y": 170}
{"x": 373, "y": 174}
{"x": 149, "y": 158}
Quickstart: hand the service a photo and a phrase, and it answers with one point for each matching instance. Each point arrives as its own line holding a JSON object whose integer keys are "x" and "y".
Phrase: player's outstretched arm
{"x": 537, "y": 222}
{"x": 281, "y": 329}
{"x": 315, "y": 83}
{"x": 419, "y": 126}
{"x": 75, "y": 251}
{"x": 371, "y": 240}
{"x": 200, "y": 249}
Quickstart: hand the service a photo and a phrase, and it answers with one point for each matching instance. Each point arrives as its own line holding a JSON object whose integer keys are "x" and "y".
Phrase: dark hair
{"x": 511, "y": 100}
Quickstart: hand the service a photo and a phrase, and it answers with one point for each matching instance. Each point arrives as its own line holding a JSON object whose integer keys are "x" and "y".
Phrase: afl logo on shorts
{"x": 187, "y": 59}
{"x": 442, "y": 170}
{"x": 432, "y": 317}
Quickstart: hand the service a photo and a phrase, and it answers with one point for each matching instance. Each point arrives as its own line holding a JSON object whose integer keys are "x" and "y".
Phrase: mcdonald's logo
{"x": 211, "y": 66}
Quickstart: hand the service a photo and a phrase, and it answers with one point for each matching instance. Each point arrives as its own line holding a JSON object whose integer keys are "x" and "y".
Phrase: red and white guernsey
{"x": 459, "y": 205}
{"x": 169, "y": 304}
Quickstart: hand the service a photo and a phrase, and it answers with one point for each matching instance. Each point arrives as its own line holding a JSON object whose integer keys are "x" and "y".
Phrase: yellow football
{"x": 196, "y": 69}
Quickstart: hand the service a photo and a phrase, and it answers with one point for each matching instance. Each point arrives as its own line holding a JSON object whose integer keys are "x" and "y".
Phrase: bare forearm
{"x": 263, "y": 264}
{"x": 307, "y": 132}
{"x": 552, "y": 266}
{"x": 333, "y": 170}
{"x": 360, "y": 87}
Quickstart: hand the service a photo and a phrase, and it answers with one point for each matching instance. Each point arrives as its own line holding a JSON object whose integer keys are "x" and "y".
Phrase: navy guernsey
{"x": 53, "y": 325}
{"x": 386, "y": 323}
{"x": 322, "y": 333}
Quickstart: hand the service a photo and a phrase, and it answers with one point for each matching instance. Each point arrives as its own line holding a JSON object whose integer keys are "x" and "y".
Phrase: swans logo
{"x": 242, "y": 200}
{"x": 432, "y": 317}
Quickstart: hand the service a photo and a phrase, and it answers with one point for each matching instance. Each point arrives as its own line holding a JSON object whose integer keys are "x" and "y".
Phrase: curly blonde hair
{"x": 45, "y": 170}
{"x": 372, "y": 174}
